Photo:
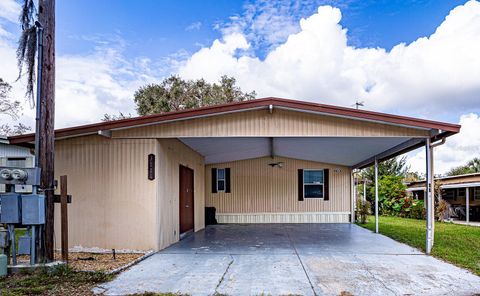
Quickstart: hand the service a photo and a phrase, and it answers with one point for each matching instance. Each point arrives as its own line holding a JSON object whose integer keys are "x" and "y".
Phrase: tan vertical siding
{"x": 256, "y": 187}
{"x": 263, "y": 124}
{"x": 173, "y": 153}
{"x": 113, "y": 202}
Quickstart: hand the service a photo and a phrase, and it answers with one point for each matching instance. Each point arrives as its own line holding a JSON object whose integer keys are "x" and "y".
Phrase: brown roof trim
{"x": 242, "y": 106}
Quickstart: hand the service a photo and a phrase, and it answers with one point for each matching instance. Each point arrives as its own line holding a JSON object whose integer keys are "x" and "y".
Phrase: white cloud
{"x": 458, "y": 149}
{"x": 433, "y": 74}
{"x": 9, "y": 10}
{"x": 195, "y": 26}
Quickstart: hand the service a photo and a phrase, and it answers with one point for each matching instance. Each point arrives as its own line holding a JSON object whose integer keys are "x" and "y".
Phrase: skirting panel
{"x": 306, "y": 217}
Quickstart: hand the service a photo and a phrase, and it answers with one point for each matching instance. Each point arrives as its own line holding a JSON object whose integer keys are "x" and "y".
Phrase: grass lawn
{"x": 457, "y": 244}
{"x": 60, "y": 281}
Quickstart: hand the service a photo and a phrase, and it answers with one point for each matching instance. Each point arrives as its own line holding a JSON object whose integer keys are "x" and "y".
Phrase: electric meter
{"x": 6, "y": 174}
{"x": 19, "y": 175}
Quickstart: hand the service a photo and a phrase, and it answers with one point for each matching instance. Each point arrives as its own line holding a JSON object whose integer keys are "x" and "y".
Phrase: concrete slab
{"x": 190, "y": 274}
{"x": 292, "y": 259}
{"x": 265, "y": 275}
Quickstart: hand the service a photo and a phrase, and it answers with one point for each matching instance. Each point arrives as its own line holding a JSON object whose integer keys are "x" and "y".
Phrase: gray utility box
{"x": 33, "y": 209}
{"x": 11, "y": 208}
{"x": 4, "y": 239}
{"x": 24, "y": 243}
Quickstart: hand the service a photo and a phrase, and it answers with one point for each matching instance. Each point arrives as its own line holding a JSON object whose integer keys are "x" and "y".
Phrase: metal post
{"x": 365, "y": 189}
{"x": 467, "y": 201}
{"x": 13, "y": 251}
{"x": 429, "y": 198}
{"x": 33, "y": 249}
{"x": 432, "y": 182}
{"x": 352, "y": 180}
{"x": 376, "y": 195}
{"x": 38, "y": 99}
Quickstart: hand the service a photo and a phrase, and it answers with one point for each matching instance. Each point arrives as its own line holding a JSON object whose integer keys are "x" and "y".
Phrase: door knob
{"x": 187, "y": 206}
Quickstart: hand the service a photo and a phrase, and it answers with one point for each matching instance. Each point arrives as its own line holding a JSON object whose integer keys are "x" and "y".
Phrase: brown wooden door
{"x": 186, "y": 199}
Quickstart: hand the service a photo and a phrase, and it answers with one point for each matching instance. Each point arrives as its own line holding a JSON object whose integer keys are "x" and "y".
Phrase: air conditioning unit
{"x": 19, "y": 162}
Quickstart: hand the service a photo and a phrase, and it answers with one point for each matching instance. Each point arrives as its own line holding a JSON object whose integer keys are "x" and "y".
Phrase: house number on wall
{"x": 151, "y": 166}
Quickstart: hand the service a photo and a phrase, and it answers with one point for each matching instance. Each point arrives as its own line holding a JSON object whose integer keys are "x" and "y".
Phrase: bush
{"x": 363, "y": 210}
{"x": 417, "y": 210}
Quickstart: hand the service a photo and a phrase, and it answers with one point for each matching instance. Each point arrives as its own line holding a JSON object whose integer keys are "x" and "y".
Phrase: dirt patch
{"x": 99, "y": 261}
{"x": 84, "y": 261}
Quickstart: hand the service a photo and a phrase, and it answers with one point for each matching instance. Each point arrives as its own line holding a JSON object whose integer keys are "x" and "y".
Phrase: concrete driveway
{"x": 292, "y": 259}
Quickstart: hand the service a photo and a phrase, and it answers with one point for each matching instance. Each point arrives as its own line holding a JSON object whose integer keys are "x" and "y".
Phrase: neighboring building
{"x": 17, "y": 156}
{"x": 141, "y": 183}
{"x": 462, "y": 193}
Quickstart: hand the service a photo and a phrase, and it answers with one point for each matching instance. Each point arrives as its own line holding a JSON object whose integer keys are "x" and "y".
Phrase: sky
{"x": 412, "y": 57}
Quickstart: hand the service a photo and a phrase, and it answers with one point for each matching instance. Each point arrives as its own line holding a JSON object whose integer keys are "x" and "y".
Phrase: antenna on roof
{"x": 358, "y": 104}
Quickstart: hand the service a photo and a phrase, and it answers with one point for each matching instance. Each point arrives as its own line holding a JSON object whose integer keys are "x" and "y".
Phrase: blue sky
{"x": 159, "y": 28}
{"x": 414, "y": 57}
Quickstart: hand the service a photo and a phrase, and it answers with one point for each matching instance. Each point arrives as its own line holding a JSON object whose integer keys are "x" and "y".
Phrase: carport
{"x": 333, "y": 144}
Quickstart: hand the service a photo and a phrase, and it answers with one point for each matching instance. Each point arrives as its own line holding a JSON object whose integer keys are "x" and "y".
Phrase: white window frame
{"x": 224, "y": 181}
{"x": 476, "y": 193}
{"x": 323, "y": 183}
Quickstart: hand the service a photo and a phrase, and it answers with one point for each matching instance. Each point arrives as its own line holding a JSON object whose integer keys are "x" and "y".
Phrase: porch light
{"x": 277, "y": 164}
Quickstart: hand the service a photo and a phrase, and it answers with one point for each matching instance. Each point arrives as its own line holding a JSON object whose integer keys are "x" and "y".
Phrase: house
{"x": 461, "y": 192}
{"x": 141, "y": 183}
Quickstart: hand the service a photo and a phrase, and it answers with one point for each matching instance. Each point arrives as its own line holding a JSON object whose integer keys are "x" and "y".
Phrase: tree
{"x": 12, "y": 109}
{"x": 391, "y": 167}
{"x": 175, "y": 93}
{"x": 27, "y": 45}
{"x": 395, "y": 167}
{"x": 7, "y": 106}
{"x": 391, "y": 194}
{"x": 112, "y": 117}
{"x": 473, "y": 166}
{"x": 14, "y": 130}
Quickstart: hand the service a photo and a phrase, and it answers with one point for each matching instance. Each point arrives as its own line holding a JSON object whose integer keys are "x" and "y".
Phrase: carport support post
{"x": 354, "y": 195}
{"x": 376, "y": 195}
{"x": 467, "y": 203}
{"x": 429, "y": 196}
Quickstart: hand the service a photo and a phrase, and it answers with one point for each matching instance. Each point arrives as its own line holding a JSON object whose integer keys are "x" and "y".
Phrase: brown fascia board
{"x": 243, "y": 106}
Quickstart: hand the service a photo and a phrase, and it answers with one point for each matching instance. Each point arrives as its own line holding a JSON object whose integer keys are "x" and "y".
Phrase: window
{"x": 448, "y": 194}
{"x": 220, "y": 179}
{"x": 313, "y": 183}
{"x": 476, "y": 192}
{"x": 461, "y": 193}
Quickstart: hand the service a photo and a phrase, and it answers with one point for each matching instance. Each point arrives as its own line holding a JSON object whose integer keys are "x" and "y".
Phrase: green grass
{"x": 59, "y": 281}
{"x": 457, "y": 244}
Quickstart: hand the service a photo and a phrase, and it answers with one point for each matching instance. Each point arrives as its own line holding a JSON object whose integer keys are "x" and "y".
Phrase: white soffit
{"x": 346, "y": 151}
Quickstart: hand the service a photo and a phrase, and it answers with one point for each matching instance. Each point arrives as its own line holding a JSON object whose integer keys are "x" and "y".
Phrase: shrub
{"x": 363, "y": 210}
{"x": 417, "y": 210}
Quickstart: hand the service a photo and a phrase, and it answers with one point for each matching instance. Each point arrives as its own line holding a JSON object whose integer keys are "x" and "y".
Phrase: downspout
{"x": 432, "y": 179}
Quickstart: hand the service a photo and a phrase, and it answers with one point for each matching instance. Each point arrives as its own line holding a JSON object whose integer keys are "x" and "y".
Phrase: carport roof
{"x": 442, "y": 129}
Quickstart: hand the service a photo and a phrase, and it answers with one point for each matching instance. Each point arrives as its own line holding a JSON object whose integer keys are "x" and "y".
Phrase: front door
{"x": 186, "y": 199}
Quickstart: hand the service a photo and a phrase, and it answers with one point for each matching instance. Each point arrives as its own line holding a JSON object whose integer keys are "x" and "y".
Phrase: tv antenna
{"x": 359, "y": 104}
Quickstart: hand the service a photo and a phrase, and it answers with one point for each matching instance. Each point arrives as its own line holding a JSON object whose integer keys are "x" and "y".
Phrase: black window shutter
{"x": 214, "y": 180}
{"x": 300, "y": 184}
{"x": 326, "y": 188}
{"x": 227, "y": 180}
